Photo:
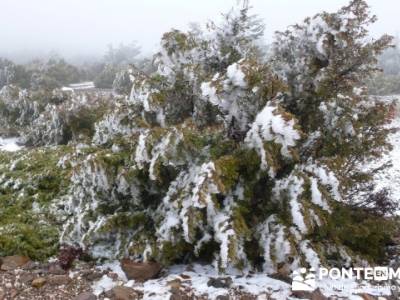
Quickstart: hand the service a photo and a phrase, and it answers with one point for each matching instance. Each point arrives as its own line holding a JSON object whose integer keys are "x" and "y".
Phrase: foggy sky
{"x": 85, "y": 27}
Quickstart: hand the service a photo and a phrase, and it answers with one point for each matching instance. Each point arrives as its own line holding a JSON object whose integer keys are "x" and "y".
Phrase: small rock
{"x": 284, "y": 270}
{"x": 113, "y": 276}
{"x": 38, "y": 282}
{"x": 92, "y": 276}
{"x": 222, "y": 297}
{"x": 223, "y": 282}
{"x": 140, "y": 271}
{"x": 123, "y": 293}
{"x": 26, "y": 278}
{"x": 177, "y": 294}
{"x": 174, "y": 284}
{"x": 367, "y": 296}
{"x": 302, "y": 294}
{"x": 2, "y": 294}
{"x": 86, "y": 296}
{"x": 59, "y": 279}
{"x": 184, "y": 276}
{"x": 317, "y": 295}
{"x": 13, "y": 262}
{"x": 55, "y": 269}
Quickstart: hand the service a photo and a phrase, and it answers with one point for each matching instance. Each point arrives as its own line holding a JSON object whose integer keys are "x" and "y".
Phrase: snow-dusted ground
{"x": 9, "y": 144}
{"x": 193, "y": 279}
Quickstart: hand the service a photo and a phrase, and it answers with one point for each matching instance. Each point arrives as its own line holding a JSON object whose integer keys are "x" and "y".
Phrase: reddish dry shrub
{"x": 68, "y": 254}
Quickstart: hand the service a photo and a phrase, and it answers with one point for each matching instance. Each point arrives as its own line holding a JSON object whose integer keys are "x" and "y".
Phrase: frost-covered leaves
{"x": 326, "y": 49}
{"x": 270, "y": 126}
{"x": 222, "y": 155}
{"x": 240, "y": 93}
{"x": 325, "y": 61}
{"x": 50, "y": 118}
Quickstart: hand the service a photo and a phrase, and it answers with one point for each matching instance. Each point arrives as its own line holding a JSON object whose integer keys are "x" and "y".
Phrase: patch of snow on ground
{"x": 103, "y": 285}
{"x": 195, "y": 278}
{"x": 115, "y": 267}
{"x": 9, "y": 144}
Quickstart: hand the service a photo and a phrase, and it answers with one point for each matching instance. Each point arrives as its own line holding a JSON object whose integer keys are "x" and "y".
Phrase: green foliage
{"x": 33, "y": 181}
{"x": 105, "y": 79}
{"x": 358, "y": 230}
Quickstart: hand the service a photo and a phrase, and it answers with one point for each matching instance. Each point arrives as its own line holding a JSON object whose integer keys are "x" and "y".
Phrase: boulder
{"x": 38, "y": 282}
{"x": 123, "y": 293}
{"x": 140, "y": 271}
{"x": 222, "y": 282}
{"x": 26, "y": 278}
{"x": 93, "y": 275}
{"x": 55, "y": 269}
{"x": 10, "y": 263}
{"x": 365, "y": 296}
{"x": 177, "y": 294}
{"x": 175, "y": 283}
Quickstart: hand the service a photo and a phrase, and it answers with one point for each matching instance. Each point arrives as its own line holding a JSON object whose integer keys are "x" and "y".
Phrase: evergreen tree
{"x": 325, "y": 63}
{"x": 7, "y": 72}
{"x": 114, "y": 73}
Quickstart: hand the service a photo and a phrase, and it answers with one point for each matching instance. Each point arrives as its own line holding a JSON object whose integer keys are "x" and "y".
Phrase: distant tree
{"x": 116, "y": 60}
{"x": 54, "y": 73}
{"x": 122, "y": 55}
{"x": 389, "y": 61}
{"x": 107, "y": 76}
{"x": 387, "y": 80}
{"x": 22, "y": 76}
{"x": 7, "y": 72}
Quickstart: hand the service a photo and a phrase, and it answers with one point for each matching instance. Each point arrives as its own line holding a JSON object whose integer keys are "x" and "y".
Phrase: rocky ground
{"x": 20, "y": 278}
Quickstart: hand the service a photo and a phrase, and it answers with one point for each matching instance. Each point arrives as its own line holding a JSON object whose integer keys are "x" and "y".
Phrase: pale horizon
{"x": 84, "y": 28}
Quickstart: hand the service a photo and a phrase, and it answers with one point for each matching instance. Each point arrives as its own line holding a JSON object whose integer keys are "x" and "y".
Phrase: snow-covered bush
{"x": 51, "y": 118}
{"x": 219, "y": 153}
{"x": 227, "y": 156}
{"x": 7, "y": 72}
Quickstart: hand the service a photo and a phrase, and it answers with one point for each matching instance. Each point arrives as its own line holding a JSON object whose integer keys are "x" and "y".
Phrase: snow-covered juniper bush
{"x": 226, "y": 153}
